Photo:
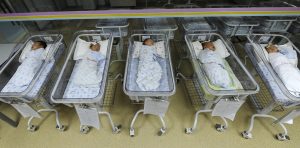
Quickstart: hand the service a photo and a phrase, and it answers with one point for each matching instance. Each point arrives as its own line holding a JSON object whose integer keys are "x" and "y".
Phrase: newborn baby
{"x": 287, "y": 72}
{"x": 149, "y": 70}
{"x": 28, "y": 68}
{"x": 214, "y": 66}
{"x": 32, "y": 62}
{"x": 89, "y": 69}
{"x": 94, "y": 54}
{"x": 37, "y": 51}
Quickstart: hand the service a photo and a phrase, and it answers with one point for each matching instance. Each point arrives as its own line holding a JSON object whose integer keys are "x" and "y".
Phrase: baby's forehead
{"x": 147, "y": 40}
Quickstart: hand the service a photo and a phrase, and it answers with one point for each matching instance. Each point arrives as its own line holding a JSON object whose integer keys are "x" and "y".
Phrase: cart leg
{"x": 59, "y": 126}
{"x": 115, "y": 128}
{"x": 164, "y": 127}
{"x": 190, "y": 130}
{"x": 281, "y": 136}
{"x": 131, "y": 131}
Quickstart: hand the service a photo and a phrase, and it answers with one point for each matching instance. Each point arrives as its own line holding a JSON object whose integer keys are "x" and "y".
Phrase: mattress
{"x": 10, "y": 87}
{"x": 76, "y": 91}
{"x": 131, "y": 82}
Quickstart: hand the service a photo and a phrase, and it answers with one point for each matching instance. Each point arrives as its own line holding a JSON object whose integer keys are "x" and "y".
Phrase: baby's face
{"x": 95, "y": 47}
{"x": 149, "y": 42}
{"x": 209, "y": 45}
{"x": 36, "y": 45}
{"x": 272, "y": 49}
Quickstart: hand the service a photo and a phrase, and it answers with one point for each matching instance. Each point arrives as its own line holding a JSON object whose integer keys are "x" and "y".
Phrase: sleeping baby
{"x": 88, "y": 70}
{"x": 286, "y": 70}
{"x": 214, "y": 66}
{"x": 149, "y": 70}
{"x": 28, "y": 68}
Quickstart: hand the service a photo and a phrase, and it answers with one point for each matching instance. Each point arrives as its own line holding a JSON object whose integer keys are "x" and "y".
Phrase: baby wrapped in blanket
{"x": 28, "y": 68}
{"x": 281, "y": 61}
{"x": 214, "y": 66}
{"x": 88, "y": 71}
{"x": 149, "y": 70}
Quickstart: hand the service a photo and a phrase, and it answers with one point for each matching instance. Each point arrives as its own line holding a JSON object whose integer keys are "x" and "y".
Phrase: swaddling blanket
{"x": 89, "y": 71}
{"x": 287, "y": 72}
{"x": 149, "y": 70}
{"x": 214, "y": 68}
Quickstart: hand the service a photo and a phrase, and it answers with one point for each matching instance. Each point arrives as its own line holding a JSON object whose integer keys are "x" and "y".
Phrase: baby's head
{"x": 38, "y": 44}
{"x": 95, "y": 47}
{"x": 271, "y": 48}
{"x": 148, "y": 42}
{"x": 208, "y": 45}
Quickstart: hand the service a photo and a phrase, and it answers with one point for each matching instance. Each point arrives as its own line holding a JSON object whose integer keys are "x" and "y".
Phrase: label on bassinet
{"x": 26, "y": 111}
{"x": 48, "y": 39}
{"x": 264, "y": 39}
{"x": 96, "y": 38}
{"x": 145, "y": 37}
{"x": 156, "y": 107}
{"x": 88, "y": 116}
{"x": 201, "y": 38}
{"x": 227, "y": 108}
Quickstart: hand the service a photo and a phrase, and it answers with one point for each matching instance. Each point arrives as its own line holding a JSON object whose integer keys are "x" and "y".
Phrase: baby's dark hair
{"x": 269, "y": 45}
{"x": 42, "y": 43}
{"x": 146, "y": 40}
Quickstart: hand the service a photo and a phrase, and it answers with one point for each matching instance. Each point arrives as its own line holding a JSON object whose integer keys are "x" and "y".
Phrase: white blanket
{"x": 149, "y": 71}
{"x": 287, "y": 72}
{"x": 25, "y": 72}
{"x": 88, "y": 71}
{"x": 214, "y": 68}
{"x": 85, "y": 80}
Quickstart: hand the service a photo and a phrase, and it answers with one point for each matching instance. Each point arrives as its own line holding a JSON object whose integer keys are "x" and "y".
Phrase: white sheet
{"x": 289, "y": 74}
{"x": 25, "y": 72}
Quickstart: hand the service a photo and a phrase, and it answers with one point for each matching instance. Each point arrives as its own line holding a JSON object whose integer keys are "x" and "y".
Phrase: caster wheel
{"x": 161, "y": 132}
{"x": 247, "y": 135}
{"x": 32, "y": 128}
{"x": 188, "y": 130}
{"x": 282, "y": 137}
{"x": 61, "y": 128}
{"x": 220, "y": 128}
{"x": 117, "y": 129}
{"x": 131, "y": 132}
{"x": 84, "y": 129}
